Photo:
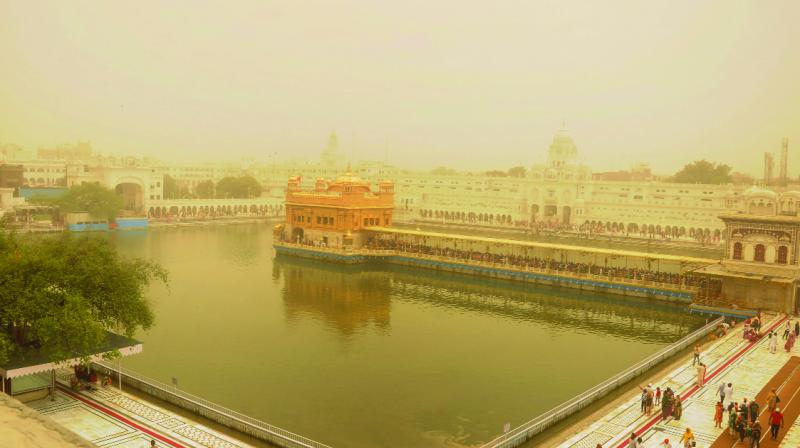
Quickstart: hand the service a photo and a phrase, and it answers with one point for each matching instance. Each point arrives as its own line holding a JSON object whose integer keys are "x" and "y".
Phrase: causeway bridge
{"x": 631, "y": 273}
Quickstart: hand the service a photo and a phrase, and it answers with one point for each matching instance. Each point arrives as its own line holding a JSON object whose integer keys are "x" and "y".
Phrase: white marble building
{"x": 563, "y": 192}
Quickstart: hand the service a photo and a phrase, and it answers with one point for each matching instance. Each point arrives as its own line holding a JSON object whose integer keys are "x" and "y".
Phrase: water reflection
{"x": 335, "y": 352}
{"x": 353, "y": 298}
{"x": 348, "y": 298}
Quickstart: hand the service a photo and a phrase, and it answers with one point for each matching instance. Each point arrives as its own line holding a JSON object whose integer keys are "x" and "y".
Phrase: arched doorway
{"x": 297, "y": 235}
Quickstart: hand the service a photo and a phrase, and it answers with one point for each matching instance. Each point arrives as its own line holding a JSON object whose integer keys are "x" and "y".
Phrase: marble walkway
{"x": 112, "y": 419}
{"x": 730, "y": 359}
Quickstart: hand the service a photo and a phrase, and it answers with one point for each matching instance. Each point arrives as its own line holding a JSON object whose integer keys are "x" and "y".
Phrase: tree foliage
{"x": 174, "y": 191}
{"x": 170, "y": 187}
{"x": 517, "y": 171}
{"x": 58, "y": 295}
{"x": 243, "y": 187}
{"x": 205, "y": 189}
{"x": 496, "y": 173}
{"x": 99, "y": 201}
{"x": 703, "y": 172}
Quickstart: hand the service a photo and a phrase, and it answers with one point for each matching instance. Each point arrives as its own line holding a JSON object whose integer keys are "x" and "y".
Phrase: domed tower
{"x": 330, "y": 156}
{"x": 562, "y": 151}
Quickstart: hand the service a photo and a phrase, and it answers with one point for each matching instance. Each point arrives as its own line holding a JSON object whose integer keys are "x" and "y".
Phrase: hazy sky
{"x": 418, "y": 83}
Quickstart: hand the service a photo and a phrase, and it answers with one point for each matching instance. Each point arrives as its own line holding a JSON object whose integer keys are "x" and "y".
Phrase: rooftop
{"x": 30, "y": 362}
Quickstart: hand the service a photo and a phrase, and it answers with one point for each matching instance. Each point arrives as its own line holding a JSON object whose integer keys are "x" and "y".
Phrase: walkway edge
{"x": 528, "y": 430}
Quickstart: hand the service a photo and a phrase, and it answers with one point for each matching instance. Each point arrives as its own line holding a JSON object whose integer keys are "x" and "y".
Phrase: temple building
{"x": 760, "y": 269}
{"x": 334, "y": 214}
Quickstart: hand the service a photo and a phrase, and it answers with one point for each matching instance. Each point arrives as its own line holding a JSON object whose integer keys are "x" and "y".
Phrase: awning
{"x": 30, "y": 363}
{"x": 540, "y": 245}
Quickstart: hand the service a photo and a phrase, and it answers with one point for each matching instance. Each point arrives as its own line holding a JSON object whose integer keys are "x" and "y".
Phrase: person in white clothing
{"x": 729, "y": 393}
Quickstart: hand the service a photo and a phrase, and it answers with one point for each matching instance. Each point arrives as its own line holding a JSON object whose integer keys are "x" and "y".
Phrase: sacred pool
{"x": 377, "y": 356}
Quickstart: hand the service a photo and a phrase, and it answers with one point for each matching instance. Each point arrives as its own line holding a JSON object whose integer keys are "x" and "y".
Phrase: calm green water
{"x": 379, "y": 356}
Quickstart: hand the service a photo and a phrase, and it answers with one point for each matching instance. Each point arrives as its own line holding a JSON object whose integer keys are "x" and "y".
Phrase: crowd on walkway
{"x": 518, "y": 261}
{"x": 740, "y": 417}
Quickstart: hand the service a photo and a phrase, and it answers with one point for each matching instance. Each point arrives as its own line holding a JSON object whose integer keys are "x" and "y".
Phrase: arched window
{"x": 759, "y": 253}
{"x": 737, "y": 251}
{"x": 783, "y": 254}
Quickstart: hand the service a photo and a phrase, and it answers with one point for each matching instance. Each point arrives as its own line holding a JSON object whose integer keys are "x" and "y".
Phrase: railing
{"x": 568, "y": 274}
{"x": 527, "y": 430}
{"x": 245, "y": 424}
{"x": 468, "y": 261}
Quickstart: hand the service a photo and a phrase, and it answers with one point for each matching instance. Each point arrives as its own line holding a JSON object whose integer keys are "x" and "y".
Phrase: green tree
{"x": 60, "y": 295}
{"x": 174, "y": 191}
{"x": 517, "y": 171}
{"x": 171, "y": 190}
{"x": 496, "y": 173}
{"x": 703, "y": 172}
{"x": 238, "y": 187}
{"x": 99, "y": 201}
{"x": 205, "y": 189}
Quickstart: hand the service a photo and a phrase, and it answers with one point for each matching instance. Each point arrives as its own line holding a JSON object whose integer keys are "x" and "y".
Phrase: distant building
{"x": 333, "y": 214}
{"x": 11, "y": 176}
{"x": 638, "y": 173}
{"x": 12, "y": 153}
{"x": 81, "y": 151}
{"x": 136, "y": 184}
{"x": 761, "y": 268}
{"x": 38, "y": 173}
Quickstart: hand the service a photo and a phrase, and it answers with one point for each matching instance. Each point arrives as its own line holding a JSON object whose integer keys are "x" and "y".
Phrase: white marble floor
{"x": 111, "y": 419}
{"x": 730, "y": 359}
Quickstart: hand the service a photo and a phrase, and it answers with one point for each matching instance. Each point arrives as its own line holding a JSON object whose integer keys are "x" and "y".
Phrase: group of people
{"x": 85, "y": 377}
{"x": 752, "y": 332}
{"x": 632, "y": 273}
{"x": 670, "y": 402}
{"x": 743, "y": 417}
